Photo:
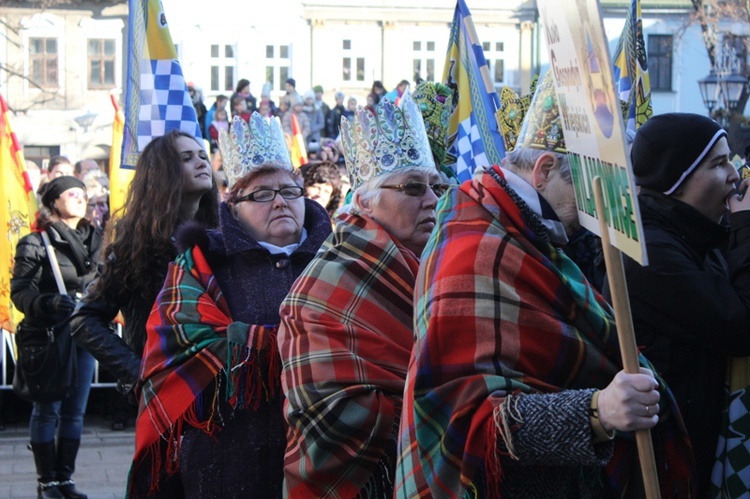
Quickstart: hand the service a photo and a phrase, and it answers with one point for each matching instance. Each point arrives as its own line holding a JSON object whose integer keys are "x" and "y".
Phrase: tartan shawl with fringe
{"x": 498, "y": 311}
{"x": 192, "y": 341}
{"x": 345, "y": 340}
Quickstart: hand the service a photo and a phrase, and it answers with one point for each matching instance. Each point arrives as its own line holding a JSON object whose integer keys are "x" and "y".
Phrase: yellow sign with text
{"x": 591, "y": 120}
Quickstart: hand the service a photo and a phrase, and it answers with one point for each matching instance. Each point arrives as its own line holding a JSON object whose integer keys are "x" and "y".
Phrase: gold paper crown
{"x": 390, "y": 139}
{"x": 541, "y": 126}
{"x": 248, "y": 146}
{"x": 435, "y": 102}
{"x": 512, "y": 112}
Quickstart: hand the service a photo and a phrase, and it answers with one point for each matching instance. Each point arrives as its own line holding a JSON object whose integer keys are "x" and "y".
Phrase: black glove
{"x": 58, "y": 305}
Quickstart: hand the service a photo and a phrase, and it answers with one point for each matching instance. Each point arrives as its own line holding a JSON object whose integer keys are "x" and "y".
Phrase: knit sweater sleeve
{"x": 552, "y": 429}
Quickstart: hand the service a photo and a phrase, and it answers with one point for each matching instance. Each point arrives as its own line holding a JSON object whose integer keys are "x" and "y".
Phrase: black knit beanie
{"x": 669, "y": 147}
{"x": 59, "y": 185}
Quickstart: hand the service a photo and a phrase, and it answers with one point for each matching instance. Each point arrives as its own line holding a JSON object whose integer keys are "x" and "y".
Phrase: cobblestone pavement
{"x": 101, "y": 468}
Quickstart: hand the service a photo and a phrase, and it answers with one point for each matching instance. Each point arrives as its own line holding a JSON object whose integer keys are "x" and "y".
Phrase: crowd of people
{"x": 317, "y": 120}
{"x": 365, "y": 327}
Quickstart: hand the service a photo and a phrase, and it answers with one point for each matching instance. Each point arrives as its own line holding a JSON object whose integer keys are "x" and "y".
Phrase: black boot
{"x": 44, "y": 458}
{"x": 67, "y": 450}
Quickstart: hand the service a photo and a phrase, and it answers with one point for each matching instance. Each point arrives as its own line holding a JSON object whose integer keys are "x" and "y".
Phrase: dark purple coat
{"x": 246, "y": 457}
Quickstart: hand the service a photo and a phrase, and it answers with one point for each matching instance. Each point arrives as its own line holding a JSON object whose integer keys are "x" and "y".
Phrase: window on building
{"x": 424, "y": 62}
{"x": 353, "y": 68}
{"x": 660, "y": 62}
{"x": 360, "y": 69}
{"x": 277, "y": 65}
{"x": 43, "y": 62}
{"x": 499, "y": 70}
{"x": 101, "y": 63}
{"x": 40, "y": 154}
{"x": 223, "y": 65}
{"x": 495, "y": 57}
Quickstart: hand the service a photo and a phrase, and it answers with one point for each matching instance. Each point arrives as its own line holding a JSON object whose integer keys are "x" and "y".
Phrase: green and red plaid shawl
{"x": 192, "y": 340}
{"x": 345, "y": 340}
{"x": 499, "y": 310}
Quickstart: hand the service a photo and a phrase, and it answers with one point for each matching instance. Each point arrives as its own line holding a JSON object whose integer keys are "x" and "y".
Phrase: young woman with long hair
{"x": 172, "y": 184}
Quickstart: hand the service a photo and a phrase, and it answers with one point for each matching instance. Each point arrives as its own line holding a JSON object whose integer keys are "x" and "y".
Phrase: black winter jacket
{"x": 691, "y": 310}
{"x": 33, "y": 280}
{"x": 90, "y": 326}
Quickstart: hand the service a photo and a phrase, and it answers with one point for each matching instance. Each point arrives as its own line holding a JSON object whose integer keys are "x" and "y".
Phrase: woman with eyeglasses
{"x": 210, "y": 393}
{"x": 346, "y": 331}
{"x": 34, "y": 292}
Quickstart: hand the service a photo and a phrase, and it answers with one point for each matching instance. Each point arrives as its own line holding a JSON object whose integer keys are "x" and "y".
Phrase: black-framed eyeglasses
{"x": 417, "y": 189}
{"x": 266, "y": 195}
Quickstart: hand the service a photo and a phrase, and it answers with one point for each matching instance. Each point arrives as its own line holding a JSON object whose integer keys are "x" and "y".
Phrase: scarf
{"x": 345, "y": 339}
{"x": 191, "y": 343}
{"x": 77, "y": 240}
{"x": 499, "y": 311}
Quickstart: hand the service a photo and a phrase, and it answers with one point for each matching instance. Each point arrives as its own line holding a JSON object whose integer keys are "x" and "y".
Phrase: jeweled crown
{"x": 512, "y": 111}
{"x": 435, "y": 102}
{"x": 389, "y": 139}
{"x": 541, "y": 126}
{"x": 249, "y": 145}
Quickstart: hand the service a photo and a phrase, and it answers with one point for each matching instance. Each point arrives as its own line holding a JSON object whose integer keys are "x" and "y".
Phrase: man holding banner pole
{"x": 515, "y": 387}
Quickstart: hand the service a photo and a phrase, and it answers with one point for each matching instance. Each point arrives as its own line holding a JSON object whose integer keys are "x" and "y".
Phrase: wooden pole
{"x": 626, "y": 336}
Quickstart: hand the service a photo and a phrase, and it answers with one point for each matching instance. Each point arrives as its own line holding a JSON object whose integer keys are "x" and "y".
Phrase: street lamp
{"x": 733, "y": 87}
{"x": 710, "y": 91}
{"x": 86, "y": 120}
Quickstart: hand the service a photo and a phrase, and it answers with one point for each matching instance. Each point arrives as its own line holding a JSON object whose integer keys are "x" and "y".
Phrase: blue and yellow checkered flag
{"x": 157, "y": 98}
{"x": 473, "y": 135}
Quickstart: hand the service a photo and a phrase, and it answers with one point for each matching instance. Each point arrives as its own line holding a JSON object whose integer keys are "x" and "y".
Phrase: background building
{"x": 59, "y": 65}
{"x": 59, "y": 60}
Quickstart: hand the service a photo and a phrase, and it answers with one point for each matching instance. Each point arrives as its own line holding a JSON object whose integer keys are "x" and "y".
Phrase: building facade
{"x": 60, "y": 64}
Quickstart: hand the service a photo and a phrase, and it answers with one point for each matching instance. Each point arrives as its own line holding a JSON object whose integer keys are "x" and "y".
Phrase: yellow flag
{"x": 119, "y": 177}
{"x": 297, "y": 147}
{"x": 18, "y": 210}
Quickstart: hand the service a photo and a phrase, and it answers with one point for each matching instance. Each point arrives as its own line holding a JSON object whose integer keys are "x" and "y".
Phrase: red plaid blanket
{"x": 191, "y": 342}
{"x": 345, "y": 339}
{"x": 499, "y": 310}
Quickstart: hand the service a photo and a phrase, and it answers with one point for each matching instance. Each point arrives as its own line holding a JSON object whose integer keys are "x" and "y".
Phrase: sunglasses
{"x": 266, "y": 195}
{"x": 74, "y": 194}
{"x": 417, "y": 189}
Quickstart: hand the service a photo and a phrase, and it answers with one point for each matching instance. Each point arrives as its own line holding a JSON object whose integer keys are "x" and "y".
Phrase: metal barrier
{"x": 9, "y": 355}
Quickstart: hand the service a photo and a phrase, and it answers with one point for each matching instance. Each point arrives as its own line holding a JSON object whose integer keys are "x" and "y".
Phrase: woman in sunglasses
{"x": 210, "y": 392}
{"x": 33, "y": 289}
{"x": 346, "y": 330}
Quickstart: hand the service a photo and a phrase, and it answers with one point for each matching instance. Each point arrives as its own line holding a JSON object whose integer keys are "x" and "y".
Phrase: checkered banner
{"x": 730, "y": 478}
{"x": 473, "y": 135}
{"x": 165, "y": 102}
{"x": 157, "y": 98}
{"x": 468, "y": 149}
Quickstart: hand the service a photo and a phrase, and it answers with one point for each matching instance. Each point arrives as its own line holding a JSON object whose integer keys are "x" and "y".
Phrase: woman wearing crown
{"x": 515, "y": 385}
{"x": 210, "y": 401}
{"x": 346, "y": 330}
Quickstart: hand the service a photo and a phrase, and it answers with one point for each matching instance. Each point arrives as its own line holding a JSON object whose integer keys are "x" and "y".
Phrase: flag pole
{"x": 626, "y": 336}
